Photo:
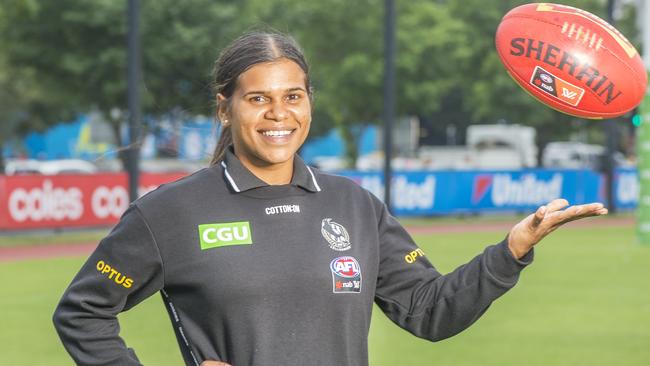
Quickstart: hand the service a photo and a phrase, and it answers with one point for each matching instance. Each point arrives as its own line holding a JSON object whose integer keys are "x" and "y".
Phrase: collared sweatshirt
{"x": 258, "y": 274}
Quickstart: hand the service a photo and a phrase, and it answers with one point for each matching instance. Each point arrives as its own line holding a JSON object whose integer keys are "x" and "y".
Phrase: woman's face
{"x": 269, "y": 113}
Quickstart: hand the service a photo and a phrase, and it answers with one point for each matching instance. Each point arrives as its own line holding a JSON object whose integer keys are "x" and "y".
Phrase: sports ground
{"x": 585, "y": 300}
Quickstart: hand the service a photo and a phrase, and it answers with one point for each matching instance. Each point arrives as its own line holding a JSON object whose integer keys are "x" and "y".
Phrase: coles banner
{"x": 35, "y": 201}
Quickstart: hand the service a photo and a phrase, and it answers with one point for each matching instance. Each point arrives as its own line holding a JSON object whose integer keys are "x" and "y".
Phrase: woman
{"x": 262, "y": 260}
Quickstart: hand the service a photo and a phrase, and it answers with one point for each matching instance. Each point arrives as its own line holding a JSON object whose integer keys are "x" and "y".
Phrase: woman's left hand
{"x": 545, "y": 220}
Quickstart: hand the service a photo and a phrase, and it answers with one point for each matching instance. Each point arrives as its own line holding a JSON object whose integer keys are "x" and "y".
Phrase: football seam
{"x": 590, "y": 91}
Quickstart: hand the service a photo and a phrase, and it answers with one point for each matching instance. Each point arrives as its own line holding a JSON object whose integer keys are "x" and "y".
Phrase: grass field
{"x": 585, "y": 301}
{"x": 52, "y": 237}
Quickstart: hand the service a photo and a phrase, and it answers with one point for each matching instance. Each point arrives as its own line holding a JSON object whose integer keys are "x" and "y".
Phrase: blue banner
{"x": 197, "y": 140}
{"x": 456, "y": 192}
{"x": 626, "y": 188}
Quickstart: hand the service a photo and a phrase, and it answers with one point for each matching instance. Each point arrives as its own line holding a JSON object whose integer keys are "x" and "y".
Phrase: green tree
{"x": 451, "y": 44}
{"x": 24, "y": 105}
{"x": 75, "y": 50}
{"x": 448, "y": 69}
{"x": 450, "y": 72}
{"x": 58, "y": 59}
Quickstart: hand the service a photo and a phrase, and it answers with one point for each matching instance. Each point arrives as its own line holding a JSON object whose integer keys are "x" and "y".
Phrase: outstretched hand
{"x": 545, "y": 220}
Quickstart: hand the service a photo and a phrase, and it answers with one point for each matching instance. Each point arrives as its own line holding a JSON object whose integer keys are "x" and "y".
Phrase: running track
{"x": 12, "y": 254}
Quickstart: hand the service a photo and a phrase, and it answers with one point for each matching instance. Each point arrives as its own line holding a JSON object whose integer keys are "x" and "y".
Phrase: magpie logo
{"x": 335, "y": 234}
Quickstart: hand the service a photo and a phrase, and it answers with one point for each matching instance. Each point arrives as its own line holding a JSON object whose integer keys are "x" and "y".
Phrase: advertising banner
{"x": 33, "y": 202}
{"x": 36, "y": 201}
{"x": 626, "y": 188}
{"x": 456, "y": 192}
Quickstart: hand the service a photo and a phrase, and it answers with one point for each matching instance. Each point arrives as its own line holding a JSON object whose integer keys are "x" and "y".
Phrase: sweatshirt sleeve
{"x": 125, "y": 269}
{"x": 414, "y": 295}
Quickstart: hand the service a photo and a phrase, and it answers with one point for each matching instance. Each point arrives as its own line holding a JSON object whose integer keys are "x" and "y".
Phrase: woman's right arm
{"x": 125, "y": 269}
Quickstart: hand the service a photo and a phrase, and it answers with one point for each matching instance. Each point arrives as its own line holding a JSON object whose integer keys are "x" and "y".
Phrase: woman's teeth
{"x": 276, "y": 133}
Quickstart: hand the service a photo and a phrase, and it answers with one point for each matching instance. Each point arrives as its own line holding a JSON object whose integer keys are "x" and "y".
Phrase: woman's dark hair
{"x": 243, "y": 53}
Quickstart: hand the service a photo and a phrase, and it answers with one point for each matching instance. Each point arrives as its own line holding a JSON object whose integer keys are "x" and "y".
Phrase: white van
{"x": 577, "y": 155}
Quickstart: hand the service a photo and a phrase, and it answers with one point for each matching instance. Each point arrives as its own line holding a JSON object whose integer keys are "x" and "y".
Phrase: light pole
{"x": 389, "y": 95}
{"x": 133, "y": 95}
{"x": 611, "y": 136}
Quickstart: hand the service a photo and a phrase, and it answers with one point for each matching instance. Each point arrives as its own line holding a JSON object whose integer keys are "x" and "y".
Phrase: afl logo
{"x": 335, "y": 234}
{"x": 346, "y": 267}
{"x": 546, "y": 78}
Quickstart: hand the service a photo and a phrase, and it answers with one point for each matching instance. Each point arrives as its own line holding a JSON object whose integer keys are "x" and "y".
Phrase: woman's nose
{"x": 278, "y": 112}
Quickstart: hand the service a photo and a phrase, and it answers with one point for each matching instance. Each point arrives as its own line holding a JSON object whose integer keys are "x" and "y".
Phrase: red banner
{"x": 36, "y": 201}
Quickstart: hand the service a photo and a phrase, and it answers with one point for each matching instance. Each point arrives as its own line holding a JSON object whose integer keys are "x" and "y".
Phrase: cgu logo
{"x": 219, "y": 235}
{"x": 347, "y": 267}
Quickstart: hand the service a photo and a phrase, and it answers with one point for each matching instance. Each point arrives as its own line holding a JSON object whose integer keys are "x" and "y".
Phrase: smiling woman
{"x": 262, "y": 260}
{"x": 264, "y": 104}
{"x": 269, "y": 116}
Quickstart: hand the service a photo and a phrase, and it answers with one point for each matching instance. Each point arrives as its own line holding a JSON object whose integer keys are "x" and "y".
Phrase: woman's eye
{"x": 293, "y": 96}
{"x": 258, "y": 99}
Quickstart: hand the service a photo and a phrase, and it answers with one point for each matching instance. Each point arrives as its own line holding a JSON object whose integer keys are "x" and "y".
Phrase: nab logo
{"x": 220, "y": 235}
{"x": 551, "y": 85}
{"x": 347, "y": 267}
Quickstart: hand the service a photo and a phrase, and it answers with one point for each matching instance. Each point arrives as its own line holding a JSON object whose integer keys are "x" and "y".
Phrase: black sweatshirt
{"x": 253, "y": 274}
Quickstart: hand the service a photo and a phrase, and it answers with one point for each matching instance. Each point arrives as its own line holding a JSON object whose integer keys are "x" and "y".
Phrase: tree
{"x": 450, "y": 46}
{"x": 59, "y": 71}
{"x": 23, "y": 105}
{"x": 75, "y": 50}
{"x": 448, "y": 69}
{"x": 67, "y": 57}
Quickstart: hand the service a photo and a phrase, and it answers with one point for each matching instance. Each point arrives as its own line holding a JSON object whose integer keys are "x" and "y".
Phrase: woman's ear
{"x": 222, "y": 109}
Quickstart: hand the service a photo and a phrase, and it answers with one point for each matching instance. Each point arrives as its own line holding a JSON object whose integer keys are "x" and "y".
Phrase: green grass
{"x": 31, "y": 291}
{"x": 51, "y": 237}
{"x": 585, "y": 301}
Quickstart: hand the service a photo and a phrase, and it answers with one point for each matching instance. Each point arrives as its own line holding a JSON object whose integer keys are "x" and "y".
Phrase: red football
{"x": 571, "y": 60}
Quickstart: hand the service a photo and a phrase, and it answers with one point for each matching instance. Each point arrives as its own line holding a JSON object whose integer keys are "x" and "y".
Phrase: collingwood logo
{"x": 335, "y": 234}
